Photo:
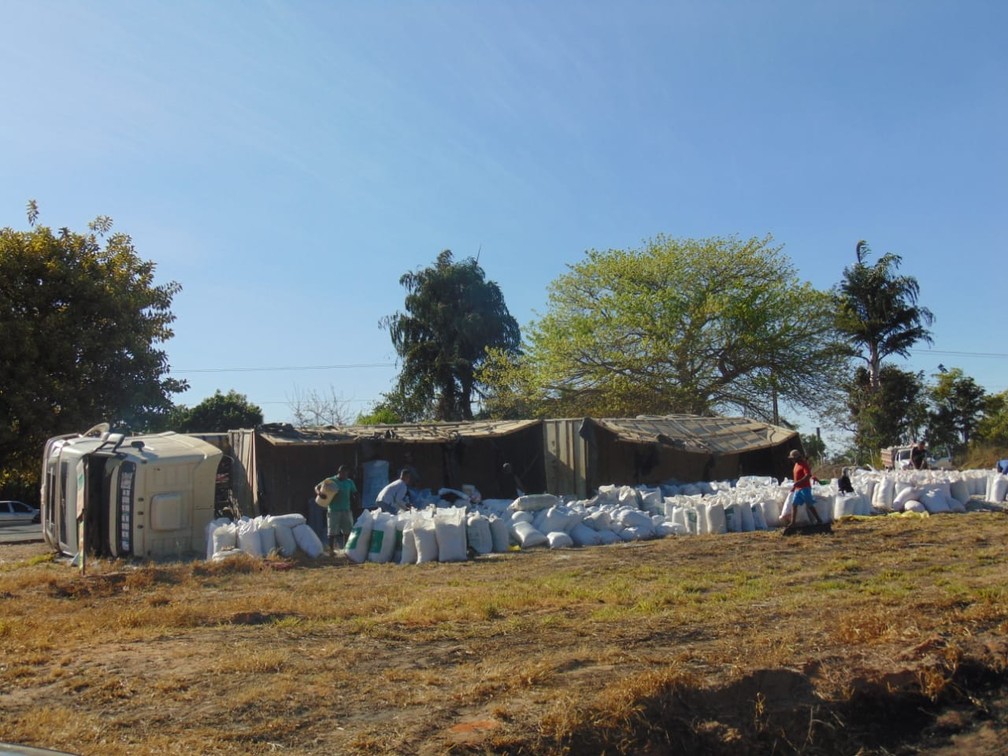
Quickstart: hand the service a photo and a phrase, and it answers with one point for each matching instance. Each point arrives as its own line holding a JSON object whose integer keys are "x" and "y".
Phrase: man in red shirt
{"x": 802, "y": 487}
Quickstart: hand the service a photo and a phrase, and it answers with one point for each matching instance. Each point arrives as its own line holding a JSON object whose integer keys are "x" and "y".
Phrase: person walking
{"x": 802, "y": 488}
{"x": 341, "y": 493}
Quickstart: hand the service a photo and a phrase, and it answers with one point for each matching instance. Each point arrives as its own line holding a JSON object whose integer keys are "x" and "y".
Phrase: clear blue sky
{"x": 286, "y": 162}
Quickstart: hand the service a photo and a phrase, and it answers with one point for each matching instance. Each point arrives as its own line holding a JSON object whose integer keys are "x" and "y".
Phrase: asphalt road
{"x": 20, "y": 533}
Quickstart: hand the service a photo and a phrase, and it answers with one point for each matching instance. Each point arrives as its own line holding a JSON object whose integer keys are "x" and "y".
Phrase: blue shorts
{"x": 803, "y": 496}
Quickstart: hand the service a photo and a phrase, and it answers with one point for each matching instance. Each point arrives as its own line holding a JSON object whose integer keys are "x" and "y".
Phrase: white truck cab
{"x": 148, "y": 496}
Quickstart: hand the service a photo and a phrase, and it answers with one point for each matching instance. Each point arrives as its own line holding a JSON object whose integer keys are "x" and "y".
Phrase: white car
{"x": 18, "y": 513}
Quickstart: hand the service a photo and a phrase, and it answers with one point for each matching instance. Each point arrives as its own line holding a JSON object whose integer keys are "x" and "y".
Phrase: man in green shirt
{"x": 340, "y": 492}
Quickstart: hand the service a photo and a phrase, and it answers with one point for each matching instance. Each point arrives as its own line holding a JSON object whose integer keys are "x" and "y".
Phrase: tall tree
{"x": 81, "y": 321}
{"x": 681, "y": 325}
{"x": 957, "y": 404}
{"x": 878, "y": 311}
{"x": 892, "y": 413}
{"x": 993, "y": 426}
{"x": 453, "y": 315}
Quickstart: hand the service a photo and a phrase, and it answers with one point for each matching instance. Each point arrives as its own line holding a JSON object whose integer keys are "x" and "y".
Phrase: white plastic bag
{"x": 383, "y": 538}
{"x": 478, "y": 534}
{"x": 307, "y": 540}
{"x": 450, "y": 531}
{"x": 359, "y": 542}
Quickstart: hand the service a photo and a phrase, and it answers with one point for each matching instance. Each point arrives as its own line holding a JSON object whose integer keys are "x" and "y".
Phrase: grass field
{"x": 886, "y": 636}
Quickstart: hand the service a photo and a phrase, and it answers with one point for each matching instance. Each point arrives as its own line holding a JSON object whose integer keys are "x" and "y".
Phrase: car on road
{"x": 18, "y": 513}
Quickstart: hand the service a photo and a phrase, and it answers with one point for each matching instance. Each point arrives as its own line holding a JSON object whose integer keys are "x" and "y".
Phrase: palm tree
{"x": 878, "y": 310}
{"x": 453, "y": 314}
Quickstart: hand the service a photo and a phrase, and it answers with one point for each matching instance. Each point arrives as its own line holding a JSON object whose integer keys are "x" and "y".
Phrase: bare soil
{"x": 887, "y": 636}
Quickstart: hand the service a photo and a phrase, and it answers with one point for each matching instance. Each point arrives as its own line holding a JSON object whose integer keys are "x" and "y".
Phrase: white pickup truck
{"x": 898, "y": 458}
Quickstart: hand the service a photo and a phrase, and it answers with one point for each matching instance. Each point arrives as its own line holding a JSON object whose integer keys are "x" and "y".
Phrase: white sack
{"x": 534, "y": 502}
{"x": 450, "y": 531}
{"x": 249, "y": 540}
{"x": 267, "y": 534}
{"x": 359, "y": 542}
{"x": 225, "y": 538}
{"x": 208, "y": 533}
{"x": 582, "y": 535}
{"x": 607, "y": 537}
{"x": 527, "y": 536}
{"x": 409, "y": 549}
{"x": 285, "y": 542}
{"x": 501, "y": 534}
{"x": 425, "y": 535}
{"x": 598, "y": 520}
{"x": 959, "y": 490}
{"x": 382, "y": 543}
{"x": 307, "y": 540}
{"x": 559, "y": 540}
{"x": 291, "y": 520}
{"x": 478, "y": 534}
{"x": 716, "y": 520}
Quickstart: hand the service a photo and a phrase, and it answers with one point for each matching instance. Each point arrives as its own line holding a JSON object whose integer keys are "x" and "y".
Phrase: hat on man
{"x": 794, "y": 454}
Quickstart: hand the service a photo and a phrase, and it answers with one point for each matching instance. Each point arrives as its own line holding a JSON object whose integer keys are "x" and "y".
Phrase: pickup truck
{"x": 898, "y": 458}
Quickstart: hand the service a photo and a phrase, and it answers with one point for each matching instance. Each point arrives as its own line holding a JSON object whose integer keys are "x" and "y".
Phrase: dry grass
{"x": 744, "y": 642}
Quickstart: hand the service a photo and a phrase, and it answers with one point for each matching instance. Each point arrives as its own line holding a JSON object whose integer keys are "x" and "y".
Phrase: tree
{"x": 957, "y": 404}
{"x": 993, "y": 426}
{"x": 81, "y": 321}
{"x": 313, "y": 410}
{"x": 890, "y": 414}
{"x": 218, "y": 413}
{"x": 814, "y": 446}
{"x": 877, "y": 310}
{"x": 453, "y": 315}
{"x": 690, "y": 326}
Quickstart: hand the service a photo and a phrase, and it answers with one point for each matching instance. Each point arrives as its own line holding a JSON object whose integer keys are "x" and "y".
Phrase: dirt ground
{"x": 886, "y": 636}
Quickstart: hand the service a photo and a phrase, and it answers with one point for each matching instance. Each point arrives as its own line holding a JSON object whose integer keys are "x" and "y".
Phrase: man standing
{"x": 918, "y": 456}
{"x": 396, "y": 495}
{"x": 341, "y": 493}
{"x": 802, "y": 488}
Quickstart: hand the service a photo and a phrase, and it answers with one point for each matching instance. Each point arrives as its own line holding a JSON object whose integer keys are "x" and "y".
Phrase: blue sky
{"x": 287, "y": 162}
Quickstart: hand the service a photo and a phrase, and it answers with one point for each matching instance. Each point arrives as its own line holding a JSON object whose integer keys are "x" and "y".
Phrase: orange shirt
{"x": 802, "y": 470}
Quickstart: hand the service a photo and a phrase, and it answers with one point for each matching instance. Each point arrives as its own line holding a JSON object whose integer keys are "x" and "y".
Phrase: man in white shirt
{"x": 395, "y": 496}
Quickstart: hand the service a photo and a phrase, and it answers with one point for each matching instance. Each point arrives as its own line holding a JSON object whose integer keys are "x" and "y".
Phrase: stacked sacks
{"x": 262, "y": 536}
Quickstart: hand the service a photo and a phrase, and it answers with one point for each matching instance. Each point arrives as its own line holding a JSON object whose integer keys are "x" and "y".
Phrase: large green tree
{"x": 81, "y": 324}
{"x": 993, "y": 426}
{"x": 681, "y": 325}
{"x": 892, "y": 413}
{"x": 957, "y": 404}
{"x": 878, "y": 311}
{"x": 453, "y": 315}
{"x": 216, "y": 414}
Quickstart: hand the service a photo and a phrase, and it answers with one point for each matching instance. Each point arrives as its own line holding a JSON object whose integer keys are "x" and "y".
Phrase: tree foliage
{"x": 890, "y": 414}
{"x": 81, "y": 321}
{"x": 993, "y": 426}
{"x": 878, "y": 311}
{"x": 957, "y": 404}
{"x": 216, "y": 414}
{"x": 453, "y": 315}
{"x": 680, "y": 325}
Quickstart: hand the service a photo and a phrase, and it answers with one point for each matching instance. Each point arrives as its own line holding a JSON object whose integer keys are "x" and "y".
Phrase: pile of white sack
{"x": 449, "y": 531}
{"x": 261, "y": 536}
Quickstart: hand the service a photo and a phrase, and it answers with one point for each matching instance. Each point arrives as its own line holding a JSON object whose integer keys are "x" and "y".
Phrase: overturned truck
{"x": 145, "y": 496}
